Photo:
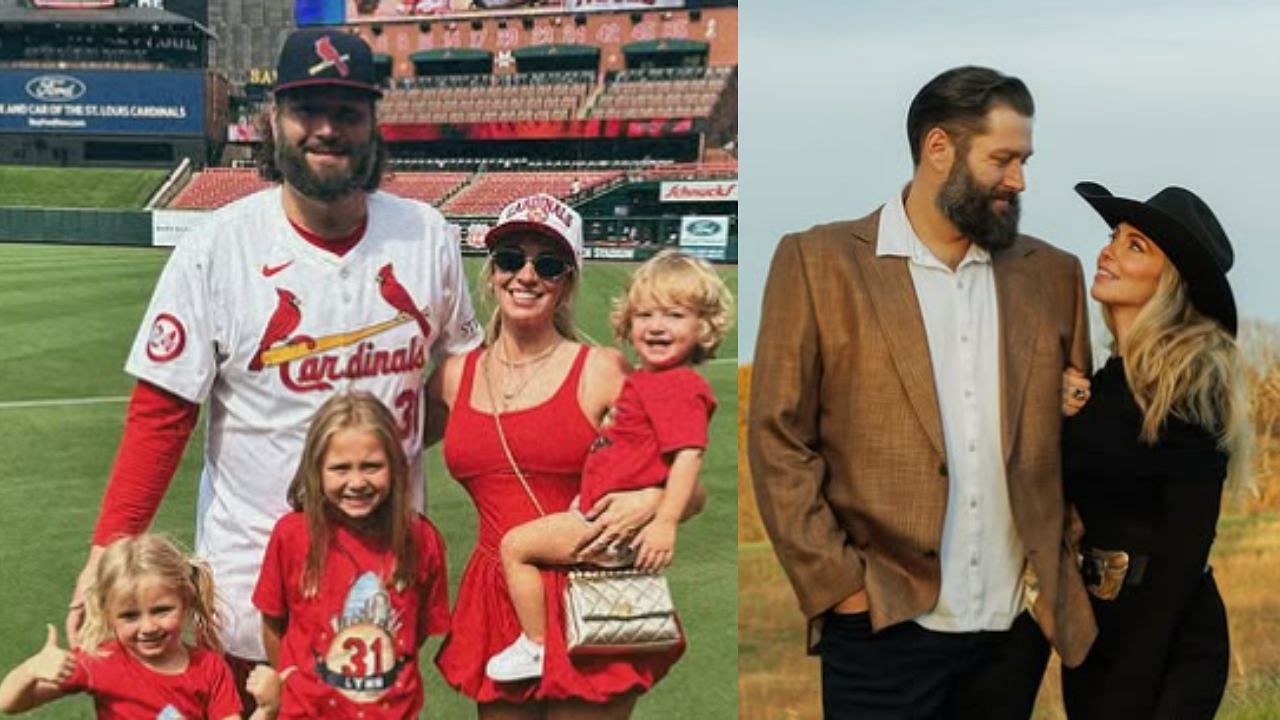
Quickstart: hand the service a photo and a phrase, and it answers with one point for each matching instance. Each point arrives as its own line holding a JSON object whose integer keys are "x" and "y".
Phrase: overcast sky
{"x": 1135, "y": 95}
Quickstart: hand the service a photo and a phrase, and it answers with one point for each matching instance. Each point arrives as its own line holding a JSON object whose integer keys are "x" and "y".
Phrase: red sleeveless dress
{"x": 550, "y": 443}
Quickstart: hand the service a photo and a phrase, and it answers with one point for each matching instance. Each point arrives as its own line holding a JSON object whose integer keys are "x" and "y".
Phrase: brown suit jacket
{"x": 845, "y": 435}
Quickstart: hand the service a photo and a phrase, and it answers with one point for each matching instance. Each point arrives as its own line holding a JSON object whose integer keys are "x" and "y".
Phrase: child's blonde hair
{"x": 358, "y": 411}
{"x": 124, "y": 565}
{"x": 673, "y": 278}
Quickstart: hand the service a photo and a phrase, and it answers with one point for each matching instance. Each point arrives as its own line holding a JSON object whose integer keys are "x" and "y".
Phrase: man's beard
{"x": 292, "y": 162}
{"x": 969, "y": 207}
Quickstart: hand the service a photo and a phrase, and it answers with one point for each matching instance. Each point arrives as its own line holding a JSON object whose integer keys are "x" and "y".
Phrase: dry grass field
{"x": 776, "y": 681}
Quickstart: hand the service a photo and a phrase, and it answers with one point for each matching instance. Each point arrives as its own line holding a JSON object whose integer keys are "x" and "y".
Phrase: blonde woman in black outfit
{"x": 1146, "y": 452}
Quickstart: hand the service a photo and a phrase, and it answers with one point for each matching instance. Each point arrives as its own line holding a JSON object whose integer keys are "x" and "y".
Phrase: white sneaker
{"x": 521, "y": 660}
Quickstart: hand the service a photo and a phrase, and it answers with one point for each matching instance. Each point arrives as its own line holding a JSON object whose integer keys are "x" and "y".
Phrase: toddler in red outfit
{"x": 133, "y": 660}
{"x": 354, "y": 580}
{"x": 674, "y": 313}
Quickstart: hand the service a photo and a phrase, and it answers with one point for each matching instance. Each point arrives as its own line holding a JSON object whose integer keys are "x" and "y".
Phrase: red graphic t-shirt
{"x": 123, "y": 688}
{"x": 657, "y": 413}
{"x": 355, "y": 644}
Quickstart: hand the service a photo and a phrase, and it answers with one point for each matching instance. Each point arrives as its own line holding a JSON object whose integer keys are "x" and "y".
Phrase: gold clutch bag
{"x": 619, "y": 612}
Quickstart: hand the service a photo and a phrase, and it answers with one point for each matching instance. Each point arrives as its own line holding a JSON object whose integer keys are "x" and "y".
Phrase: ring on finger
{"x": 1078, "y": 393}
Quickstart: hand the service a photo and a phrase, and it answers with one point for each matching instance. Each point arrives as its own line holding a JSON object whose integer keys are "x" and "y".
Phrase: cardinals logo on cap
{"x": 329, "y": 57}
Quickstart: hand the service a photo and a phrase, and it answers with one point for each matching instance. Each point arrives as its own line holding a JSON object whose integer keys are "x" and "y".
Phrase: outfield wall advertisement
{"x": 699, "y": 191}
{"x": 102, "y": 102}
{"x": 706, "y": 236}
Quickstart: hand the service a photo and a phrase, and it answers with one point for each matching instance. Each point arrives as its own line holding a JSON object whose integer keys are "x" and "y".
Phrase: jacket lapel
{"x": 1019, "y": 302}
{"x": 893, "y": 296}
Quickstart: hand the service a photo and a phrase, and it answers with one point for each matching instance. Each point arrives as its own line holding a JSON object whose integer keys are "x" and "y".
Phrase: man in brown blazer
{"x": 905, "y": 420}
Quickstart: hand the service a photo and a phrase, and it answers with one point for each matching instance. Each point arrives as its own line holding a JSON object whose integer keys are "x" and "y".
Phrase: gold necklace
{"x": 509, "y": 394}
{"x": 527, "y": 361}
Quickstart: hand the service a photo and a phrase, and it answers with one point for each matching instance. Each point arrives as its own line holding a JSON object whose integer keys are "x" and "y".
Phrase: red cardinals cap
{"x": 542, "y": 215}
{"x": 325, "y": 58}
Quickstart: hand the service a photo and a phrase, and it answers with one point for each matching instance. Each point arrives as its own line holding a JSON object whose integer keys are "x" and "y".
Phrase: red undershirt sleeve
{"x": 157, "y": 426}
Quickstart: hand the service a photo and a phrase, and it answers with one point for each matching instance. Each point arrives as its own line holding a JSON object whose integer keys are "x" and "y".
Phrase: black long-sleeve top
{"x": 1158, "y": 500}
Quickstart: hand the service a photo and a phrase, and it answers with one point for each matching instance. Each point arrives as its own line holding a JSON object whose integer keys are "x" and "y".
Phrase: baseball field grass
{"x": 68, "y": 316}
{"x": 101, "y": 188}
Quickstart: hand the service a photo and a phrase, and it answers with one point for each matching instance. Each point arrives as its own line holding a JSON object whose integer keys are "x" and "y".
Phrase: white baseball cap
{"x": 542, "y": 215}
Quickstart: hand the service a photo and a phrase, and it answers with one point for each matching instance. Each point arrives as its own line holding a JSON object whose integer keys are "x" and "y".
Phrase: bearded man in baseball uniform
{"x": 313, "y": 287}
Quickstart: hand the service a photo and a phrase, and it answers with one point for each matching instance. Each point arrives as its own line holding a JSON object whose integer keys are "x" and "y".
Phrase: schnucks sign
{"x": 699, "y": 191}
{"x": 102, "y": 102}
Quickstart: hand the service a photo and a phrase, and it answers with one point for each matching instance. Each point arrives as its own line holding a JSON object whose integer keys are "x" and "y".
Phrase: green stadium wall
{"x": 75, "y": 227}
{"x": 137, "y": 228}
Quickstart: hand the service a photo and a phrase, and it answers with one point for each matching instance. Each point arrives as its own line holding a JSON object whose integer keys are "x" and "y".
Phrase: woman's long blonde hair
{"x": 126, "y": 563}
{"x": 1181, "y": 363}
{"x": 359, "y": 411}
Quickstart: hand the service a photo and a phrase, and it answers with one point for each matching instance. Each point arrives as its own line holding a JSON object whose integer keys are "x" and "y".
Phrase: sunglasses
{"x": 546, "y": 265}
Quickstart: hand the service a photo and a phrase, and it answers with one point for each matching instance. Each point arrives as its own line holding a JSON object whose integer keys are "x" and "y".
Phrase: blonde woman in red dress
{"x": 550, "y": 393}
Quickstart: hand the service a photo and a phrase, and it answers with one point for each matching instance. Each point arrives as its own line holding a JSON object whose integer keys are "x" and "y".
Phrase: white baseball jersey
{"x": 265, "y": 327}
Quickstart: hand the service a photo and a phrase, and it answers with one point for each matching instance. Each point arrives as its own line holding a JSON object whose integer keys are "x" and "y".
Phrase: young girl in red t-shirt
{"x": 675, "y": 313}
{"x": 354, "y": 581}
{"x": 133, "y": 660}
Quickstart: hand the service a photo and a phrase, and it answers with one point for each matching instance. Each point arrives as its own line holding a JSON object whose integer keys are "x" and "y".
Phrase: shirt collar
{"x": 896, "y": 238}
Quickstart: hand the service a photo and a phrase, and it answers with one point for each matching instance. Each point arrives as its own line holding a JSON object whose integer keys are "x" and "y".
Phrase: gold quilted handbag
{"x": 619, "y": 612}
{"x": 608, "y": 612}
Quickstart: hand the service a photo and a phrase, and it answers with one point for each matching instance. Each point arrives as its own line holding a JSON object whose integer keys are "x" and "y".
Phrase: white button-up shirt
{"x": 981, "y": 554}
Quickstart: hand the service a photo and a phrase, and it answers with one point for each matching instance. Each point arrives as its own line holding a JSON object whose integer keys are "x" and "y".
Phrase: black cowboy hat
{"x": 1184, "y": 227}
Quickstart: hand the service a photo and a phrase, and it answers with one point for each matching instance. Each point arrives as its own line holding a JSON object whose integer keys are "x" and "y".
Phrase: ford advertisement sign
{"x": 55, "y": 88}
{"x": 706, "y": 236}
{"x": 102, "y": 102}
{"x": 704, "y": 231}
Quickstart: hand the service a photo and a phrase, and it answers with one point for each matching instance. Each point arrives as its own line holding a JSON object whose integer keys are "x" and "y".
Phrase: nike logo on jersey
{"x": 269, "y": 270}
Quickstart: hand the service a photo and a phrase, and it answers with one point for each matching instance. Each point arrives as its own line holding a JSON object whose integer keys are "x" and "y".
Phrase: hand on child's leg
{"x": 655, "y": 545}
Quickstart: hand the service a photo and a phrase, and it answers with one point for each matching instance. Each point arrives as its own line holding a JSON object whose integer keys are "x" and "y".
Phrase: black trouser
{"x": 1124, "y": 676}
{"x": 906, "y": 671}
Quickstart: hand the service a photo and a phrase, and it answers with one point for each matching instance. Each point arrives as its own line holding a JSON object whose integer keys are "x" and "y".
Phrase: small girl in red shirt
{"x": 133, "y": 660}
{"x": 675, "y": 313}
{"x": 354, "y": 581}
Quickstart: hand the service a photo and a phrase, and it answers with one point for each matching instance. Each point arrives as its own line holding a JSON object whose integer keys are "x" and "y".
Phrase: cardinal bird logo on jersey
{"x": 329, "y": 57}
{"x": 395, "y": 294}
{"x": 284, "y": 320}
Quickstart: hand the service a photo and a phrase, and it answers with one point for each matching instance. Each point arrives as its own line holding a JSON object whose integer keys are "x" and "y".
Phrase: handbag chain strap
{"x": 502, "y": 435}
